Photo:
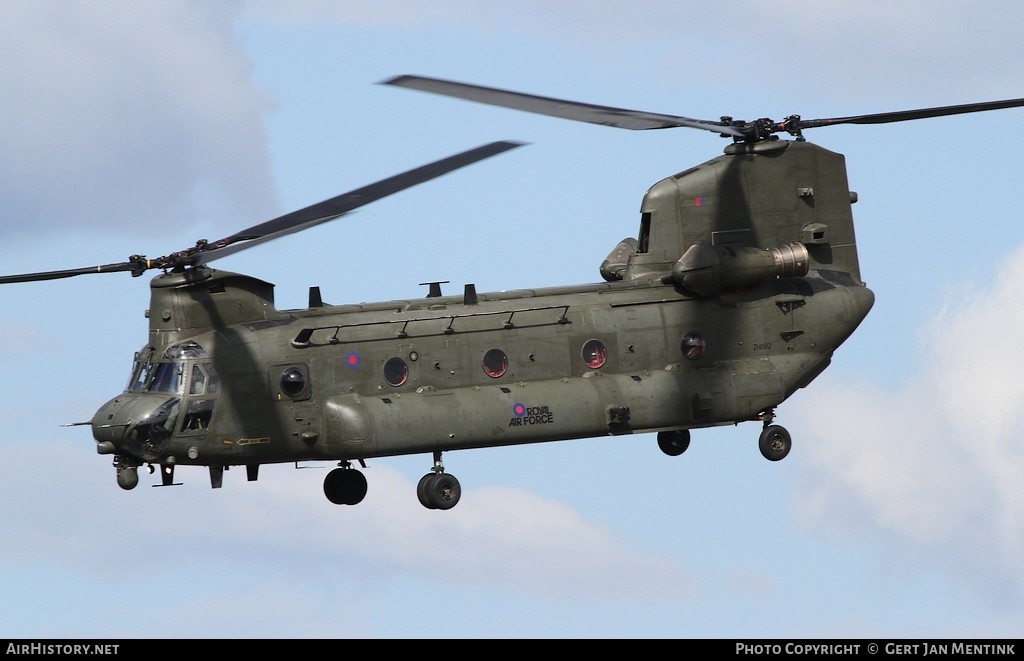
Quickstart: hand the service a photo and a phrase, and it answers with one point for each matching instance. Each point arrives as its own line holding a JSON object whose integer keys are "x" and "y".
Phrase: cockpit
{"x": 184, "y": 373}
{"x": 155, "y": 377}
{"x": 168, "y": 373}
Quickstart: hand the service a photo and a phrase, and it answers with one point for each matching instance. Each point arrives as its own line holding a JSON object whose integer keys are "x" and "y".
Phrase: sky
{"x": 140, "y": 127}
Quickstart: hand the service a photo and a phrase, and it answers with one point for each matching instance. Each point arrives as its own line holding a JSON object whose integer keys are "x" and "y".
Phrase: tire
{"x": 674, "y": 443}
{"x": 423, "y": 490}
{"x": 345, "y": 486}
{"x": 332, "y": 486}
{"x": 444, "y": 491}
{"x": 353, "y": 487}
{"x": 775, "y": 443}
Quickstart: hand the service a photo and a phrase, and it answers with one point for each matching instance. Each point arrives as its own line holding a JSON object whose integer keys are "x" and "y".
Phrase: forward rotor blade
{"x": 580, "y": 112}
{"x": 907, "y": 115}
{"x": 335, "y": 207}
{"x": 289, "y": 223}
{"x": 56, "y": 275}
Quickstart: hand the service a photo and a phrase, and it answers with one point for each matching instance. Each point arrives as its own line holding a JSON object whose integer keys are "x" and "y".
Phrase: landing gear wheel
{"x": 674, "y": 443}
{"x": 438, "y": 491}
{"x": 423, "y": 490}
{"x": 345, "y": 486}
{"x": 444, "y": 491}
{"x": 775, "y": 442}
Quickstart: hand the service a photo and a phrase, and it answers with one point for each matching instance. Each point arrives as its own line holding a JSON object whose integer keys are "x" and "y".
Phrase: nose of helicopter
{"x": 136, "y": 425}
{"x": 109, "y": 426}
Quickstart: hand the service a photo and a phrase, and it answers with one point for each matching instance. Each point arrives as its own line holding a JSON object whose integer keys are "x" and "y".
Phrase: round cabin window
{"x": 293, "y": 381}
{"x": 495, "y": 363}
{"x": 594, "y": 354}
{"x": 396, "y": 372}
{"x": 693, "y": 345}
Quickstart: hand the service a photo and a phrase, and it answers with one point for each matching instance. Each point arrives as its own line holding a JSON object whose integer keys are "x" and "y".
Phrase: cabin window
{"x": 693, "y": 345}
{"x": 594, "y": 353}
{"x": 293, "y": 381}
{"x": 396, "y": 372}
{"x": 495, "y": 363}
{"x": 643, "y": 243}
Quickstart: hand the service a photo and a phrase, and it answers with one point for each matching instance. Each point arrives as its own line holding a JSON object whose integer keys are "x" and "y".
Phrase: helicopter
{"x": 739, "y": 285}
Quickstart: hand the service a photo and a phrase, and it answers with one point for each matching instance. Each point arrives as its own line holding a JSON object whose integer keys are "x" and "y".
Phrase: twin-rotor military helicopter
{"x": 740, "y": 283}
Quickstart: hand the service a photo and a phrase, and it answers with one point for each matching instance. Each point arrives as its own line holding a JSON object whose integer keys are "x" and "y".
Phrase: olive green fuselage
{"x": 649, "y": 350}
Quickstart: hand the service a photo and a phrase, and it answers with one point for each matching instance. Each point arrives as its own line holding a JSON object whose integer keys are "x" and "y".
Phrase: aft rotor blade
{"x": 338, "y": 206}
{"x": 581, "y": 112}
{"x": 907, "y": 115}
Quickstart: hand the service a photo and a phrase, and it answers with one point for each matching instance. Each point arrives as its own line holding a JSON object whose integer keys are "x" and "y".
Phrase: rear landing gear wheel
{"x": 674, "y": 443}
{"x": 775, "y": 442}
{"x": 345, "y": 486}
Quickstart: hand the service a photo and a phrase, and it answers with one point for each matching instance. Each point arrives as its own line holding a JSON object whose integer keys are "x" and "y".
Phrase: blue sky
{"x": 141, "y": 127}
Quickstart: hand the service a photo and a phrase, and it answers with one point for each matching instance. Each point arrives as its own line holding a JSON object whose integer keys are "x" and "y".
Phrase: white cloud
{"x": 127, "y": 114}
{"x": 282, "y": 525}
{"x": 937, "y": 466}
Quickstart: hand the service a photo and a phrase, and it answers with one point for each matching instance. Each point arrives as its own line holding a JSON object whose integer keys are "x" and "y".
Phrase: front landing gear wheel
{"x": 674, "y": 443}
{"x": 775, "y": 442}
{"x": 345, "y": 486}
{"x": 438, "y": 491}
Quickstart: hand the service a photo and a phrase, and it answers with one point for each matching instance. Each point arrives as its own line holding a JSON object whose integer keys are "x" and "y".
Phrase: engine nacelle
{"x": 706, "y": 270}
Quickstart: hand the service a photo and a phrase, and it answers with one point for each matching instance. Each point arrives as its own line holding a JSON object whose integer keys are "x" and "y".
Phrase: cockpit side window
{"x": 202, "y": 390}
{"x": 213, "y": 379}
{"x": 197, "y": 386}
{"x": 198, "y": 414}
{"x": 204, "y": 380}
